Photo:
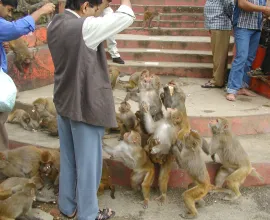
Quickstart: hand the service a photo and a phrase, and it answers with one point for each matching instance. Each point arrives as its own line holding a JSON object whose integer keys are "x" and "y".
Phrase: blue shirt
{"x": 218, "y": 14}
{"x": 11, "y": 31}
{"x": 248, "y": 20}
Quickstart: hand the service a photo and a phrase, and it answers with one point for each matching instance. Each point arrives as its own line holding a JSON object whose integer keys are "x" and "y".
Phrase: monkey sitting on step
{"x": 23, "y": 57}
{"x": 21, "y": 117}
{"x": 106, "y": 180}
{"x": 189, "y": 157}
{"x": 130, "y": 152}
{"x": 44, "y": 107}
{"x": 19, "y": 204}
{"x": 236, "y": 165}
{"x": 148, "y": 17}
{"x": 49, "y": 124}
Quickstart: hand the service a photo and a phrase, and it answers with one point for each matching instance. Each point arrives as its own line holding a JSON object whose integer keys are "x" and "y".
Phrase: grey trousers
{"x": 3, "y": 131}
{"x": 80, "y": 167}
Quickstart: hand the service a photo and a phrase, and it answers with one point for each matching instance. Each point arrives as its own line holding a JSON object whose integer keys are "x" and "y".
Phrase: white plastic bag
{"x": 8, "y": 92}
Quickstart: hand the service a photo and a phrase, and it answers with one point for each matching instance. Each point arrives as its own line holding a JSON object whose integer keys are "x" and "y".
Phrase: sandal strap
{"x": 103, "y": 215}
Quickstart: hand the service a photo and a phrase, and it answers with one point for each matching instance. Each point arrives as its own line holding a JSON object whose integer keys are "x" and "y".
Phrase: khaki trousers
{"x": 220, "y": 41}
{"x": 3, "y": 131}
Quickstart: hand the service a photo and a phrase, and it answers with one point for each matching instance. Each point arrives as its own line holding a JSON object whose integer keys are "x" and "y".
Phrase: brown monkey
{"x": 127, "y": 120}
{"x": 236, "y": 165}
{"x": 114, "y": 73}
{"x": 23, "y": 57}
{"x": 15, "y": 181}
{"x": 133, "y": 81}
{"x": 21, "y": 117}
{"x": 50, "y": 125}
{"x": 106, "y": 180}
{"x": 20, "y": 162}
{"x": 130, "y": 152}
{"x": 44, "y": 107}
{"x": 148, "y": 17}
{"x": 50, "y": 167}
{"x": 188, "y": 156}
{"x": 18, "y": 204}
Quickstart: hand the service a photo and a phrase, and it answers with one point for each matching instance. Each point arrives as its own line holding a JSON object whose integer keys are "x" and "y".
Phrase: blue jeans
{"x": 247, "y": 42}
{"x": 80, "y": 167}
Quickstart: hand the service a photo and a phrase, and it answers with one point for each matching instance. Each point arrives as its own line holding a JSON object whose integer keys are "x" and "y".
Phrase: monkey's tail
{"x": 112, "y": 188}
{"x": 254, "y": 173}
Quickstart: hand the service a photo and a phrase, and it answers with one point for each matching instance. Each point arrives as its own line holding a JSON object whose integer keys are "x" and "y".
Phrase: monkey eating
{"x": 189, "y": 157}
{"x": 49, "y": 124}
{"x": 127, "y": 119}
{"x": 148, "y": 17}
{"x": 133, "y": 81}
{"x": 130, "y": 152}
{"x": 22, "y": 56}
{"x": 106, "y": 180}
{"x": 44, "y": 107}
{"x": 19, "y": 204}
{"x": 21, "y": 117}
{"x": 236, "y": 165}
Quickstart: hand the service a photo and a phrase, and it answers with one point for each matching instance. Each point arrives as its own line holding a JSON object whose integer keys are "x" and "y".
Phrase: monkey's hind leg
{"x": 164, "y": 176}
{"x": 101, "y": 189}
{"x": 146, "y": 186}
{"x": 192, "y": 196}
{"x": 234, "y": 181}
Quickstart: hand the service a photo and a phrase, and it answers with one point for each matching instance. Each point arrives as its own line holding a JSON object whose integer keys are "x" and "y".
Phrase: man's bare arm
{"x": 248, "y": 6}
{"x": 46, "y": 9}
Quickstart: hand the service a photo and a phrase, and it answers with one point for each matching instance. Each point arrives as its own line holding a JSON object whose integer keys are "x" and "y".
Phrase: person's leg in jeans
{"x": 253, "y": 46}
{"x": 68, "y": 176}
{"x": 111, "y": 42}
{"x": 242, "y": 39}
{"x": 3, "y": 131}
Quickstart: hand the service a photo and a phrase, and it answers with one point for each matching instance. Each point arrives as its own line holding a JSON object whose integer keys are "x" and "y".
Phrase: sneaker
{"x": 118, "y": 60}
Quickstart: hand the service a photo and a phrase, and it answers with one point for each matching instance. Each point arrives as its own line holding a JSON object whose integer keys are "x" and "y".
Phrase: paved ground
{"x": 254, "y": 205}
{"x": 200, "y": 102}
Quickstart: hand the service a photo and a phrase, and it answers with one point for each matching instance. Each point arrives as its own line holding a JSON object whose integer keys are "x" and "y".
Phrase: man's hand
{"x": 6, "y": 46}
{"x": 47, "y": 9}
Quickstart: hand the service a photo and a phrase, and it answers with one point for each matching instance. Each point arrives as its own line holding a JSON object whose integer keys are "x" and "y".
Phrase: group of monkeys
{"x": 159, "y": 133}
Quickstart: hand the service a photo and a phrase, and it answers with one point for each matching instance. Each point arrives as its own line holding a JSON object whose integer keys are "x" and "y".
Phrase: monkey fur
{"x": 106, "y": 180}
{"x": 236, "y": 165}
{"x": 23, "y": 57}
{"x": 130, "y": 152}
{"x": 44, "y": 107}
{"x": 189, "y": 157}
{"x": 49, "y": 124}
{"x": 148, "y": 17}
{"x": 21, "y": 117}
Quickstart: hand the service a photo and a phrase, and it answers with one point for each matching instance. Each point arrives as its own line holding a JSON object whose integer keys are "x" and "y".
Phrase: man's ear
{"x": 84, "y": 7}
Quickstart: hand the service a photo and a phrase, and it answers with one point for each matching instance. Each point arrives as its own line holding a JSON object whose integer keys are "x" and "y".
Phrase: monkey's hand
{"x": 144, "y": 107}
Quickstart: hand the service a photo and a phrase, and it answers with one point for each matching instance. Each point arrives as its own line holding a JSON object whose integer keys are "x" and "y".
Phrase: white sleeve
{"x": 97, "y": 29}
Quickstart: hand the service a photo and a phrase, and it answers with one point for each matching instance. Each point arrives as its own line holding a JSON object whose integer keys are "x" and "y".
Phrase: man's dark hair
{"x": 76, "y": 4}
{"x": 13, "y": 3}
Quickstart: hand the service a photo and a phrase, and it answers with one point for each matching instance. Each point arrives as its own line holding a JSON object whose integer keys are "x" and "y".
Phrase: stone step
{"x": 165, "y": 42}
{"x": 167, "y": 31}
{"x": 163, "y": 55}
{"x": 140, "y": 8}
{"x": 176, "y": 16}
{"x": 181, "y": 69}
{"x": 168, "y": 2}
{"x": 248, "y": 115}
{"x": 171, "y": 24}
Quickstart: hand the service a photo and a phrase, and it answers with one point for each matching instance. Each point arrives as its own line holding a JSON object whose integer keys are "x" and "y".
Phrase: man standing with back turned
{"x": 83, "y": 99}
{"x": 11, "y": 31}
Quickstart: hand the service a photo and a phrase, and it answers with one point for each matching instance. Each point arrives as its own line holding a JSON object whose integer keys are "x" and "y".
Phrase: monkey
{"x": 19, "y": 204}
{"x": 189, "y": 157}
{"x": 106, "y": 180}
{"x": 50, "y": 125}
{"x": 44, "y": 107}
{"x": 130, "y": 152}
{"x": 133, "y": 81}
{"x": 22, "y": 55}
{"x": 114, "y": 73}
{"x": 20, "y": 162}
{"x": 19, "y": 116}
{"x": 148, "y": 17}
{"x": 127, "y": 119}
{"x": 236, "y": 165}
{"x": 49, "y": 168}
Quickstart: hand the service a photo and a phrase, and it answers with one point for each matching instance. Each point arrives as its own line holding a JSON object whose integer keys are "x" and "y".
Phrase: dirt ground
{"x": 254, "y": 205}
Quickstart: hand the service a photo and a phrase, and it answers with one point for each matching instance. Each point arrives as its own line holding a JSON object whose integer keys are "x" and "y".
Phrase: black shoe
{"x": 118, "y": 60}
